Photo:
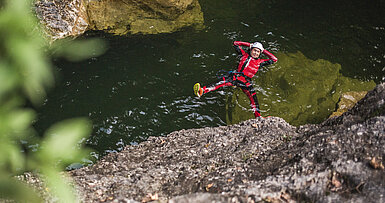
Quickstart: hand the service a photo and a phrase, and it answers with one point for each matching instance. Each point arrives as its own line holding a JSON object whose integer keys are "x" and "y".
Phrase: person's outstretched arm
{"x": 238, "y": 46}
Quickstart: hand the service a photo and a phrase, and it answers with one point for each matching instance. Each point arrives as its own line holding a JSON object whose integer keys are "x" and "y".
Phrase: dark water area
{"x": 142, "y": 85}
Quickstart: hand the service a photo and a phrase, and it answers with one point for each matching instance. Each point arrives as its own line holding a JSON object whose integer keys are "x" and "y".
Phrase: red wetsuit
{"x": 247, "y": 68}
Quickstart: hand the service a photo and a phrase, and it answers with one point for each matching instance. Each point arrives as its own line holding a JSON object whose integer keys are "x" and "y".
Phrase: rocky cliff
{"x": 74, "y": 17}
{"x": 263, "y": 159}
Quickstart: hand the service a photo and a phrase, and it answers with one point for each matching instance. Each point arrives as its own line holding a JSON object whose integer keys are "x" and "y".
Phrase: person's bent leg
{"x": 252, "y": 95}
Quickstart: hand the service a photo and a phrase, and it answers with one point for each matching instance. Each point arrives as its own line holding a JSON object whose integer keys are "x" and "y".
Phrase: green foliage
{"x": 25, "y": 75}
{"x": 19, "y": 43}
{"x": 84, "y": 48}
{"x": 11, "y": 189}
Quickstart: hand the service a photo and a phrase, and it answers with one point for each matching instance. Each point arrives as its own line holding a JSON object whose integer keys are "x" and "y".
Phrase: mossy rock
{"x": 347, "y": 101}
{"x": 297, "y": 89}
{"x": 147, "y": 17}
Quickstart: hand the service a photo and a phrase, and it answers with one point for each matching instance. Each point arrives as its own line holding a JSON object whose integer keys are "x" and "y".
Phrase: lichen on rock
{"x": 297, "y": 89}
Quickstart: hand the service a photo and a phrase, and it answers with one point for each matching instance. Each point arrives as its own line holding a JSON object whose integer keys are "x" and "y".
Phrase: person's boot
{"x": 198, "y": 90}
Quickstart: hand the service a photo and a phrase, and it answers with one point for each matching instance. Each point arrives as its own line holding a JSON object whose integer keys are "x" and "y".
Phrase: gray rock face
{"x": 263, "y": 159}
{"x": 62, "y": 18}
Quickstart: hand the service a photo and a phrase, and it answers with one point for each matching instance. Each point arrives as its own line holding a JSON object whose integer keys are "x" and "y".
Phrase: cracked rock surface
{"x": 263, "y": 159}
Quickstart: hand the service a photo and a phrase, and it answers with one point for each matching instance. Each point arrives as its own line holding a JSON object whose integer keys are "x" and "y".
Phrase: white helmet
{"x": 256, "y": 45}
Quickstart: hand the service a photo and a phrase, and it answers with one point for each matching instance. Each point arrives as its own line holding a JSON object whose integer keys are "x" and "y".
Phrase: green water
{"x": 142, "y": 85}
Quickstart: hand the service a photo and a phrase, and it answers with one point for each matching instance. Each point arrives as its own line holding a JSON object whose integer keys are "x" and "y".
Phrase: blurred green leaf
{"x": 61, "y": 140}
{"x": 10, "y": 188}
{"x": 61, "y": 144}
{"x": 59, "y": 184}
{"x": 78, "y": 50}
{"x": 24, "y": 47}
{"x": 8, "y": 80}
{"x": 10, "y": 158}
{"x": 33, "y": 67}
{"x": 21, "y": 119}
{"x": 17, "y": 122}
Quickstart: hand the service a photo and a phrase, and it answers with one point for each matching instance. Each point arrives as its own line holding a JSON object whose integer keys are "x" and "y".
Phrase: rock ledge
{"x": 263, "y": 159}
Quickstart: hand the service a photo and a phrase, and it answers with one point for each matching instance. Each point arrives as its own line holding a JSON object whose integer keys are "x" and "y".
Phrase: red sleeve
{"x": 239, "y": 43}
{"x": 238, "y": 48}
{"x": 270, "y": 55}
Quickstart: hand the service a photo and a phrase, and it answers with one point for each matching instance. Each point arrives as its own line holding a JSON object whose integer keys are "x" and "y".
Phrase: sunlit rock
{"x": 62, "y": 18}
{"x": 347, "y": 101}
{"x": 74, "y": 17}
{"x": 296, "y": 88}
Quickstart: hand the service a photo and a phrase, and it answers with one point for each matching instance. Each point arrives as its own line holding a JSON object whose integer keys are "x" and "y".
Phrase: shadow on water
{"x": 142, "y": 86}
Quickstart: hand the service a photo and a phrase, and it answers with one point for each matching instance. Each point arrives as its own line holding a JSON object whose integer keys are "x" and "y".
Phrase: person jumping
{"x": 247, "y": 67}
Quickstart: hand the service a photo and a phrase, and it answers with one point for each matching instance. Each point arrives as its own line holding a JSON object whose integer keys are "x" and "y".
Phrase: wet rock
{"x": 347, "y": 101}
{"x": 263, "y": 159}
